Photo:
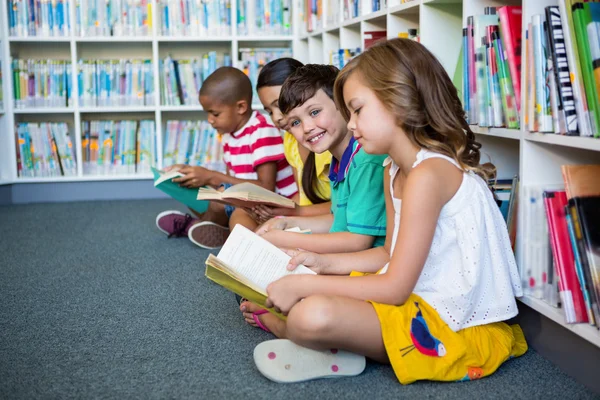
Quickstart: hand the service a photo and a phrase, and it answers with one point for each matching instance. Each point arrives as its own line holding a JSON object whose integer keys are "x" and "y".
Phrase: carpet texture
{"x": 97, "y": 303}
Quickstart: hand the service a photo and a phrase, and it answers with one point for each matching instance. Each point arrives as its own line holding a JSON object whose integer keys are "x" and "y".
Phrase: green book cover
{"x": 581, "y": 18}
{"x": 182, "y": 194}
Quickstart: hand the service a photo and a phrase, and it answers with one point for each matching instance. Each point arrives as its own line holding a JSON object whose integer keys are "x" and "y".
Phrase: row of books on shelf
{"x": 264, "y": 17}
{"x": 491, "y": 67}
{"x": 339, "y": 58}
{"x": 118, "y": 147}
{"x": 44, "y": 150}
{"x": 41, "y": 83}
{"x": 115, "y": 83}
{"x": 101, "y": 83}
{"x": 562, "y": 89}
{"x": 195, "y": 17}
{"x": 39, "y": 17}
{"x": 562, "y": 60}
{"x": 183, "y": 78}
{"x": 562, "y": 237}
{"x": 113, "y": 17}
{"x": 93, "y": 18}
{"x": 112, "y": 147}
{"x": 193, "y": 143}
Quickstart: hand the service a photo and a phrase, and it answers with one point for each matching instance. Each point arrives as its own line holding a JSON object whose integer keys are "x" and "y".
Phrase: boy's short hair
{"x": 304, "y": 82}
{"x": 227, "y": 85}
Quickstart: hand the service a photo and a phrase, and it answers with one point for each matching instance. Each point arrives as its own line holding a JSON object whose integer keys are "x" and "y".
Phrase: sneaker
{"x": 175, "y": 223}
{"x": 208, "y": 234}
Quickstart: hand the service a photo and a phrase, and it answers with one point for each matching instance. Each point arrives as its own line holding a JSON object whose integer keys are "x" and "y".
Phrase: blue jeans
{"x": 228, "y": 209}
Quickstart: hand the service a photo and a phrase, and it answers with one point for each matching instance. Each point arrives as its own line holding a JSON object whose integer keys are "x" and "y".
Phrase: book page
{"x": 257, "y": 194}
{"x": 166, "y": 176}
{"x": 256, "y": 259}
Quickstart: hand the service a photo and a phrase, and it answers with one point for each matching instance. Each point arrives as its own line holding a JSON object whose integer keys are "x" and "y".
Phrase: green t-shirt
{"x": 357, "y": 197}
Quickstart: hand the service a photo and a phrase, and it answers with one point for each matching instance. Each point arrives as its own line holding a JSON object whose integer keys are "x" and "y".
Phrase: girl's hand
{"x": 274, "y": 224}
{"x": 284, "y": 293}
{"x": 270, "y": 212}
{"x": 194, "y": 176}
{"x": 310, "y": 260}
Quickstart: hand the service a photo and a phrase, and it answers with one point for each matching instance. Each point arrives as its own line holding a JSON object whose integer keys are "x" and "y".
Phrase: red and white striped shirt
{"x": 256, "y": 143}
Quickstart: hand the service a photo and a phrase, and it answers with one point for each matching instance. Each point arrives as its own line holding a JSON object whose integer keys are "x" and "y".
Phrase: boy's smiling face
{"x": 317, "y": 124}
{"x": 225, "y": 118}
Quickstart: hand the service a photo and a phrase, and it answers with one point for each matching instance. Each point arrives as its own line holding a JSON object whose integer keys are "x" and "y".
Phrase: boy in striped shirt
{"x": 252, "y": 151}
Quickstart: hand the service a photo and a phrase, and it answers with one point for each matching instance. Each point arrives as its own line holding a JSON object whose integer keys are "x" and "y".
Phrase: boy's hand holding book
{"x": 274, "y": 224}
{"x": 310, "y": 260}
{"x": 194, "y": 177}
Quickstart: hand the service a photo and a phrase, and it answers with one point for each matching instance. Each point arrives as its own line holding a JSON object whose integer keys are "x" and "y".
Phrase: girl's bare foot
{"x": 270, "y": 321}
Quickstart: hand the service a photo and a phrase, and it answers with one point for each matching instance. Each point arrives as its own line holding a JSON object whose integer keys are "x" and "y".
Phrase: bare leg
{"x": 215, "y": 213}
{"x": 324, "y": 322}
{"x": 272, "y": 322}
{"x": 239, "y": 216}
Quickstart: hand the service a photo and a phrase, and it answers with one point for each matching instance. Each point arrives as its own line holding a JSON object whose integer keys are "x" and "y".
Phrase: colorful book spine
{"x": 472, "y": 72}
{"x": 192, "y": 143}
{"x": 566, "y": 99}
{"x": 543, "y": 112}
{"x": 581, "y": 18}
{"x": 465, "y": 82}
{"x": 511, "y": 22}
{"x": 593, "y": 32}
{"x": 509, "y": 108}
{"x": 196, "y": 18}
{"x": 581, "y": 105}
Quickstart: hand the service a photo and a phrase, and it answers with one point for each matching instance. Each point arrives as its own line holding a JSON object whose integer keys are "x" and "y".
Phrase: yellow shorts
{"x": 421, "y": 346}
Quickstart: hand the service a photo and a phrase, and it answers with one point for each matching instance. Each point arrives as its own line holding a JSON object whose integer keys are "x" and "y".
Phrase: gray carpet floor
{"x": 95, "y": 302}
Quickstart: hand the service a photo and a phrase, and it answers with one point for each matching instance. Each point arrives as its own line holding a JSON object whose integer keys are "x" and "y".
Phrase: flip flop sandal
{"x": 283, "y": 361}
{"x": 260, "y": 324}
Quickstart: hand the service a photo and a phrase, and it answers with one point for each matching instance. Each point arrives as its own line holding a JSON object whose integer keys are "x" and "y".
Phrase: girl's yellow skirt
{"x": 421, "y": 346}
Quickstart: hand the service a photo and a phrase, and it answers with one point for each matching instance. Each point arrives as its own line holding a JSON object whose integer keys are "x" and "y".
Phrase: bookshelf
{"x": 72, "y": 47}
{"x": 535, "y": 157}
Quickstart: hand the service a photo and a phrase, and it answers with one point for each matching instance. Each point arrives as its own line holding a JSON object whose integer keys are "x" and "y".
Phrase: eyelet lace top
{"x": 470, "y": 276}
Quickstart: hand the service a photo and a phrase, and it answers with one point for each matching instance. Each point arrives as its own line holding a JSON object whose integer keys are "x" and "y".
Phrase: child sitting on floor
{"x": 310, "y": 169}
{"x": 252, "y": 151}
{"x": 357, "y": 218}
{"x": 436, "y": 311}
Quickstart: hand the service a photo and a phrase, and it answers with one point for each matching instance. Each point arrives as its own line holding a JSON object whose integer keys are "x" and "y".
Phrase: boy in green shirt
{"x": 358, "y": 219}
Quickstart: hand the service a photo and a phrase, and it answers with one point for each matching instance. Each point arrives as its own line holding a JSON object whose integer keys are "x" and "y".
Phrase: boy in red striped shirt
{"x": 252, "y": 151}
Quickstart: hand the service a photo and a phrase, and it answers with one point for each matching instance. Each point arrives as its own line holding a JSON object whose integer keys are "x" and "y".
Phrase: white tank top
{"x": 470, "y": 276}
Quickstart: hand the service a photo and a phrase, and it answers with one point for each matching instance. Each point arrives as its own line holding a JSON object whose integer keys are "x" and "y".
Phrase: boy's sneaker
{"x": 175, "y": 223}
{"x": 208, "y": 234}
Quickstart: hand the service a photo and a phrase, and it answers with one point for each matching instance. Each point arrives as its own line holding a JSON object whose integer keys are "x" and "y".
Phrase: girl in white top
{"x": 436, "y": 311}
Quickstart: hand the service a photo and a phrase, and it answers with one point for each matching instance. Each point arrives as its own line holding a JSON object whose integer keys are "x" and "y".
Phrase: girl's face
{"x": 371, "y": 124}
{"x": 269, "y": 97}
{"x": 317, "y": 124}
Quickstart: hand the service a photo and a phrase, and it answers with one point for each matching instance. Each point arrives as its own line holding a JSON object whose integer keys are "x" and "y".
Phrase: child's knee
{"x": 311, "y": 318}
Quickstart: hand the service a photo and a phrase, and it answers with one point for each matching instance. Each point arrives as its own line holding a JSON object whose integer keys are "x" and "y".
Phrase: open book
{"x": 245, "y": 195}
{"x": 247, "y": 264}
{"x": 164, "y": 182}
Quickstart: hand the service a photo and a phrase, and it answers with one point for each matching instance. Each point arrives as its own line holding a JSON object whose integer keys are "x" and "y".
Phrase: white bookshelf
{"x": 154, "y": 46}
{"x": 535, "y": 157}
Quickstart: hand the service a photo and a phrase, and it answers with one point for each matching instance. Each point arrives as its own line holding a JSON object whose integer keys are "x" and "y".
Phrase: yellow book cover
{"x": 247, "y": 264}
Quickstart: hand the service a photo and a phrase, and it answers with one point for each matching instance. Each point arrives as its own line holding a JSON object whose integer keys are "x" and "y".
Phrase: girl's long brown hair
{"x": 412, "y": 84}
